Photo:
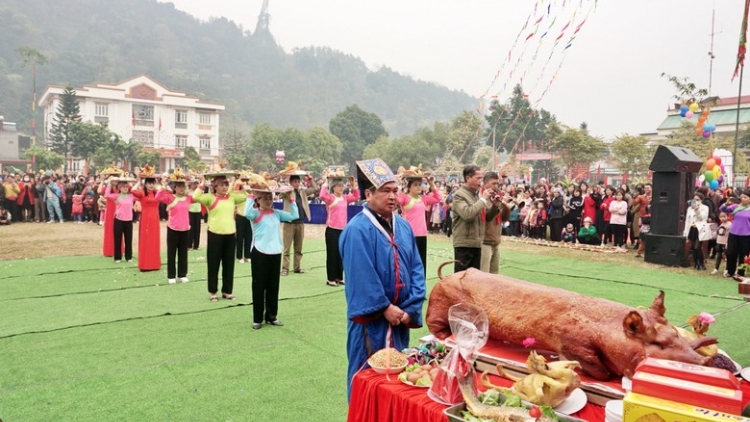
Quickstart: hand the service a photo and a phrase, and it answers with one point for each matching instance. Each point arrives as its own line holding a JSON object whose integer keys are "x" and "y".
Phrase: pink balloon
{"x": 721, "y": 166}
{"x": 689, "y": 114}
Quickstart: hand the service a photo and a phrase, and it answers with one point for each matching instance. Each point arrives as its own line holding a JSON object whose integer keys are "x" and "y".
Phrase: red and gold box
{"x": 641, "y": 408}
{"x": 726, "y": 400}
{"x": 701, "y": 374}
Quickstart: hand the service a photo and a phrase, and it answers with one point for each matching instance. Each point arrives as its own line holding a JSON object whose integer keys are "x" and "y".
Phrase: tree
{"x": 237, "y": 150}
{"x": 686, "y": 137}
{"x": 465, "y": 130}
{"x": 45, "y": 159}
{"x": 67, "y": 112}
{"x": 88, "y": 138}
{"x": 324, "y": 146}
{"x": 356, "y": 129}
{"x": 151, "y": 158}
{"x": 192, "y": 160}
{"x": 483, "y": 157}
{"x": 632, "y": 154}
{"x": 516, "y": 124}
{"x": 576, "y": 146}
{"x": 405, "y": 151}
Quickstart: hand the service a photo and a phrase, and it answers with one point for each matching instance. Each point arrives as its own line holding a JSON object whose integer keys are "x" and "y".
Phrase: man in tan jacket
{"x": 294, "y": 231}
{"x": 468, "y": 227}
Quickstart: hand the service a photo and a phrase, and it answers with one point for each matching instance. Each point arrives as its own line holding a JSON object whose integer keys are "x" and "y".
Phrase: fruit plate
{"x": 414, "y": 385}
{"x": 455, "y": 414}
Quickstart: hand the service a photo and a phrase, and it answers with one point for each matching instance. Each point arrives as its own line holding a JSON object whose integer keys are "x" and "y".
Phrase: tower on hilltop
{"x": 263, "y": 19}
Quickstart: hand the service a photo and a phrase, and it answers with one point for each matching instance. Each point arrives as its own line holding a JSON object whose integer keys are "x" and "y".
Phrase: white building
{"x": 142, "y": 110}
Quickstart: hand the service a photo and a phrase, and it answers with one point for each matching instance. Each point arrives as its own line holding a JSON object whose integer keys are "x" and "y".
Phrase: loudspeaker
{"x": 666, "y": 250}
{"x": 678, "y": 159}
{"x": 670, "y": 193}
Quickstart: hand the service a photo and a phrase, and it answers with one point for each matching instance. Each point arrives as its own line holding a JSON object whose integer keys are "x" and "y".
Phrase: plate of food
{"x": 724, "y": 361}
{"x": 745, "y": 373}
{"x": 417, "y": 375}
{"x": 576, "y": 401}
{"x": 388, "y": 361}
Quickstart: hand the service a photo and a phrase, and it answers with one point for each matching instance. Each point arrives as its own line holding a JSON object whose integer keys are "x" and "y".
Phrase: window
{"x": 143, "y": 115}
{"x": 180, "y": 119}
{"x": 204, "y": 118}
{"x": 101, "y": 113}
{"x": 180, "y": 141}
{"x": 144, "y": 137}
{"x": 101, "y": 110}
{"x": 205, "y": 142}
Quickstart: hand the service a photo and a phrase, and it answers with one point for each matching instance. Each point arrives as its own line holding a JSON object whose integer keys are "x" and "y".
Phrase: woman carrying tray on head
{"x": 244, "y": 234}
{"x": 221, "y": 230}
{"x": 414, "y": 205}
{"x": 149, "y": 230}
{"x": 337, "y": 206}
{"x": 108, "y": 243}
{"x": 265, "y": 262}
{"x": 178, "y": 225}
{"x": 121, "y": 227}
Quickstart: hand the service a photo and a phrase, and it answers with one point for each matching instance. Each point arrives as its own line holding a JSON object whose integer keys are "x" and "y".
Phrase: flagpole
{"x": 737, "y": 127}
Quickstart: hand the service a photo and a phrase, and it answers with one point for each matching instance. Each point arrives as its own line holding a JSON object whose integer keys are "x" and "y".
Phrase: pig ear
{"x": 658, "y": 304}
{"x": 633, "y": 324}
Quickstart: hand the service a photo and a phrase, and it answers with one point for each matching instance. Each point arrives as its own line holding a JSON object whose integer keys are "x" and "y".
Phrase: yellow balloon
{"x": 717, "y": 172}
{"x": 694, "y": 107}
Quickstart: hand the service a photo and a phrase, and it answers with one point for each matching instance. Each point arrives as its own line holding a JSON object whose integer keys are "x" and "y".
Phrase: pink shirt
{"x": 414, "y": 210}
{"x": 178, "y": 209}
{"x": 337, "y": 207}
{"x": 619, "y": 212}
{"x": 124, "y": 210}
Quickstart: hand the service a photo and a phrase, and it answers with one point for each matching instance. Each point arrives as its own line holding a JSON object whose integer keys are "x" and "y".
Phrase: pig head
{"x": 607, "y": 338}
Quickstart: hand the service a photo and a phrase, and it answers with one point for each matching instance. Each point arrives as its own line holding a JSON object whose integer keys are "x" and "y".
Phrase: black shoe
{"x": 275, "y": 322}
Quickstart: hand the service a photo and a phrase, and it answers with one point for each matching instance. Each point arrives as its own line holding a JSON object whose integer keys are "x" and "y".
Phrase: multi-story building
{"x": 12, "y": 147}
{"x": 142, "y": 110}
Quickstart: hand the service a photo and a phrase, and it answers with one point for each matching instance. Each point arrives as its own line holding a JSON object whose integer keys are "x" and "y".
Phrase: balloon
{"x": 694, "y": 107}
{"x": 714, "y": 184}
{"x": 706, "y": 112}
{"x": 683, "y": 113}
{"x": 712, "y": 128}
{"x": 717, "y": 172}
{"x": 718, "y": 160}
{"x": 709, "y": 176}
{"x": 721, "y": 179}
{"x": 684, "y": 109}
{"x": 689, "y": 114}
{"x": 721, "y": 167}
{"x": 706, "y": 134}
{"x": 710, "y": 164}
{"x": 701, "y": 178}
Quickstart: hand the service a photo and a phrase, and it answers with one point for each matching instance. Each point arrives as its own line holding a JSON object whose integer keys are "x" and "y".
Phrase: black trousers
{"x": 738, "y": 248}
{"x": 265, "y": 270}
{"x": 555, "y": 229}
{"x": 468, "y": 258}
{"x": 620, "y": 234}
{"x": 422, "y": 248}
{"x": 194, "y": 240}
{"x": 334, "y": 266}
{"x": 123, "y": 228}
{"x": 244, "y": 236}
{"x": 719, "y": 251}
{"x": 220, "y": 253}
{"x": 177, "y": 246}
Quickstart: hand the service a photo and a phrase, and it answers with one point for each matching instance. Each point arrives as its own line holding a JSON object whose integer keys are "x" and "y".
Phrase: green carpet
{"x": 84, "y": 339}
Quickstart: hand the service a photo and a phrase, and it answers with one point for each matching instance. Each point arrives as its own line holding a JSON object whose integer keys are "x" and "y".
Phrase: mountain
{"x": 105, "y": 41}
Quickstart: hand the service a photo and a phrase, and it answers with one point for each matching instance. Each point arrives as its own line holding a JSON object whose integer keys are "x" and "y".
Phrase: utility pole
{"x": 32, "y": 57}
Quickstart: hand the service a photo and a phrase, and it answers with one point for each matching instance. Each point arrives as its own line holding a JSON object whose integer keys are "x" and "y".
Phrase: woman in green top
{"x": 221, "y": 240}
{"x": 587, "y": 234}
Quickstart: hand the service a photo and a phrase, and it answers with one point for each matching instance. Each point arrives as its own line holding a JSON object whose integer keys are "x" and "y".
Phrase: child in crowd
{"x": 722, "y": 236}
{"x": 4, "y": 216}
{"x": 514, "y": 226}
{"x": 587, "y": 234}
{"x": 76, "y": 210}
{"x": 88, "y": 205}
{"x": 618, "y": 220}
{"x": 569, "y": 234}
{"x": 523, "y": 213}
{"x": 537, "y": 219}
{"x": 713, "y": 226}
{"x": 101, "y": 203}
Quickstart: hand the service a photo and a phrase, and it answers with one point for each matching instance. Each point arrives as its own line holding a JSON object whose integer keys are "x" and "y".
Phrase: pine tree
{"x": 67, "y": 112}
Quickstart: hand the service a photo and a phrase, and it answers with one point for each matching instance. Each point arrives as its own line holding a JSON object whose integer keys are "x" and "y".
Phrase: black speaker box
{"x": 666, "y": 250}
{"x": 677, "y": 159}
{"x": 669, "y": 197}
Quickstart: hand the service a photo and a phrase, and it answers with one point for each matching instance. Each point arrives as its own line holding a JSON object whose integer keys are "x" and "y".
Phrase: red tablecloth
{"x": 375, "y": 399}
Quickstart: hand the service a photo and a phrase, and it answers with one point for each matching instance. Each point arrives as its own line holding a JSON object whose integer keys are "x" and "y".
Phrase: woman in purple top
{"x": 738, "y": 243}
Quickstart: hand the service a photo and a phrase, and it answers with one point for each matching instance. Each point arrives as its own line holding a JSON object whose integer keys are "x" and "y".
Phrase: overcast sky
{"x": 610, "y": 76}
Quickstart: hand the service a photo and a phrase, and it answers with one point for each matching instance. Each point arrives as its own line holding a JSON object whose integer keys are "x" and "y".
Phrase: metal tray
{"x": 455, "y": 412}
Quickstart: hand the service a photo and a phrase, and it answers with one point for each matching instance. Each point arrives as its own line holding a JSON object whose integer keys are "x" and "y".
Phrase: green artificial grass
{"x": 86, "y": 339}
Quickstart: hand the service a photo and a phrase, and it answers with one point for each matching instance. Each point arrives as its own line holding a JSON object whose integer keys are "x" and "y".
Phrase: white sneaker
{"x": 714, "y": 271}
{"x": 184, "y": 280}
{"x": 172, "y": 281}
{"x": 726, "y": 274}
{"x": 61, "y": 221}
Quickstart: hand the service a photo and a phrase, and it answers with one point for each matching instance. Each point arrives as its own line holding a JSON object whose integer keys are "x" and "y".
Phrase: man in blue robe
{"x": 385, "y": 285}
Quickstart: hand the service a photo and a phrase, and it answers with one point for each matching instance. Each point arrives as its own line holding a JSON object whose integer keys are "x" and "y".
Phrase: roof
{"x": 720, "y": 117}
